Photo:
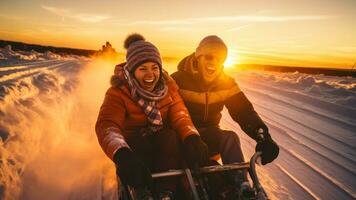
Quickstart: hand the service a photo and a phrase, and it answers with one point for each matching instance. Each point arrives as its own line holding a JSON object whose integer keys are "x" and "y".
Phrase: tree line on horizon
{"x": 20, "y": 46}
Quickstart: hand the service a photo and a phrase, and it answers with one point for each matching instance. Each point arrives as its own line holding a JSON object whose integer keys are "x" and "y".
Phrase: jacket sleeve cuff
{"x": 188, "y": 132}
{"x": 113, "y": 141}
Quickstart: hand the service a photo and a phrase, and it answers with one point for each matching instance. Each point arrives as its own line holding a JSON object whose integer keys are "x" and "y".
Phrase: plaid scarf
{"x": 147, "y": 100}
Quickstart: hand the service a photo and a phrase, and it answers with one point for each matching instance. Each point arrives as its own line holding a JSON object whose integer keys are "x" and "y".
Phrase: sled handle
{"x": 261, "y": 193}
{"x": 204, "y": 170}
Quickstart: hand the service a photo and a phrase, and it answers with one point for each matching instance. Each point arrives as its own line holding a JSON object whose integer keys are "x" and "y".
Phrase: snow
{"x": 48, "y": 147}
{"x": 11, "y": 57}
{"x": 315, "y": 130}
{"x": 339, "y": 90}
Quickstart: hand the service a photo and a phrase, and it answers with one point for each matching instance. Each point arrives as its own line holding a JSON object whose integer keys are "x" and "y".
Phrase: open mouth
{"x": 210, "y": 70}
{"x": 148, "y": 82}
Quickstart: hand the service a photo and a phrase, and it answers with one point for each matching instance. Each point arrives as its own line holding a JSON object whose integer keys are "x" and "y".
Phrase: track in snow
{"x": 317, "y": 143}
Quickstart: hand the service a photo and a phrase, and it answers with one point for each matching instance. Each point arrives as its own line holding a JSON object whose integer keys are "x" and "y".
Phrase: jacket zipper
{"x": 206, "y": 107}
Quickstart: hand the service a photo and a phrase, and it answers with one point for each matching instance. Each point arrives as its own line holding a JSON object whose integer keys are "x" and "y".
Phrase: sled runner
{"x": 199, "y": 187}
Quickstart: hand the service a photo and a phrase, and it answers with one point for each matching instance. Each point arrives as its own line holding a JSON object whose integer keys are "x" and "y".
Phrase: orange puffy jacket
{"x": 121, "y": 118}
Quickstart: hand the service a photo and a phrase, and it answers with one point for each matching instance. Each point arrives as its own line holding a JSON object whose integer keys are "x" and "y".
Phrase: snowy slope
{"x": 316, "y": 133}
{"x": 48, "y": 147}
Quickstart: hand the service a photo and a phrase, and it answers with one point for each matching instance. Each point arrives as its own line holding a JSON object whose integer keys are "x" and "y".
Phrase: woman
{"x": 140, "y": 118}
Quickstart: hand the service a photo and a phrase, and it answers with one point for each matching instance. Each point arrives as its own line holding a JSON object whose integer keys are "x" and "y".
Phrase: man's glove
{"x": 196, "y": 151}
{"x": 266, "y": 145}
{"x": 131, "y": 169}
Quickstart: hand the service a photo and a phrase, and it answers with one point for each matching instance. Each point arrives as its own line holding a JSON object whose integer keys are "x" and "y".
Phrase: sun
{"x": 230, "y": 61}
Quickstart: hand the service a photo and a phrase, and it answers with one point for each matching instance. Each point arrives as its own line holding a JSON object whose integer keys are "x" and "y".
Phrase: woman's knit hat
{"x": 140, "y": 51}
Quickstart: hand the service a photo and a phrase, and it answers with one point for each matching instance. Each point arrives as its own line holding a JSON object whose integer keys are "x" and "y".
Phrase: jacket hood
{"x": 118, "y": 79}
{"x": 188, "y": 65}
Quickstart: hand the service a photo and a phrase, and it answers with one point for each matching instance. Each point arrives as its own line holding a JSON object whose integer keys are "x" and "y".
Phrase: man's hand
{"x": 267, "y": 146}
{"x": 131, "y": 169}
{"x": 196, "y": 151}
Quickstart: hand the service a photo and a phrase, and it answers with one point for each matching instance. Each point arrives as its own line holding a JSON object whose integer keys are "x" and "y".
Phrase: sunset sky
{"x": 285, "y": 32}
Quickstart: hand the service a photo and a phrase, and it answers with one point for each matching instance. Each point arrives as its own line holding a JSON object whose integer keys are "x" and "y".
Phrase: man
{"x": 206, "y": 89}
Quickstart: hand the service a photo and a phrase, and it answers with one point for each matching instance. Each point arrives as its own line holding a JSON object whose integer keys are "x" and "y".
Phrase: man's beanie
{"x": 140, "y": 51}
{"x": 208, "y": 43}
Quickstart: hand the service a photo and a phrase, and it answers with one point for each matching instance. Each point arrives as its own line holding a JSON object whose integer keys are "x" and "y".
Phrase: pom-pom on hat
{"x": 140, "y": 51}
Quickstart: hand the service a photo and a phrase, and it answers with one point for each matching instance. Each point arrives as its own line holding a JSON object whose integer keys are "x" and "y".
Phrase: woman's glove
{"x": 131, "y": 169}
{"x": 196, "y": 151}
{"x": 267, "y": 146}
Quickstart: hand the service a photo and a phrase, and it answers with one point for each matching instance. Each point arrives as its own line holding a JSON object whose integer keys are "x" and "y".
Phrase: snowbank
{"x": 9, "y": 56}
{"x": 333, "y": 89}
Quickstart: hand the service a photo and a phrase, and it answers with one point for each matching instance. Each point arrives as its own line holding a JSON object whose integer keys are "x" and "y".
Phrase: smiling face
{"x": 147, "y": 75}
{"x": 210, "y": 65}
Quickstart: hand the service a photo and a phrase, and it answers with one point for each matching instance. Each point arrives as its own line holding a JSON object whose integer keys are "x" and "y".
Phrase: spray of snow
{"x": 47, "y": 137}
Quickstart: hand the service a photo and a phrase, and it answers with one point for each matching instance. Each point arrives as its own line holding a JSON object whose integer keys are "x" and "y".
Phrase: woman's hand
{"x": 196, "y": 151}
{"x": 131, "y": 169}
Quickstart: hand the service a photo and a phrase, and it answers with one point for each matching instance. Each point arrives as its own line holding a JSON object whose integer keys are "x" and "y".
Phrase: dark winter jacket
{"x": 205, "y": 103}
{"x": 120, "y": 118}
